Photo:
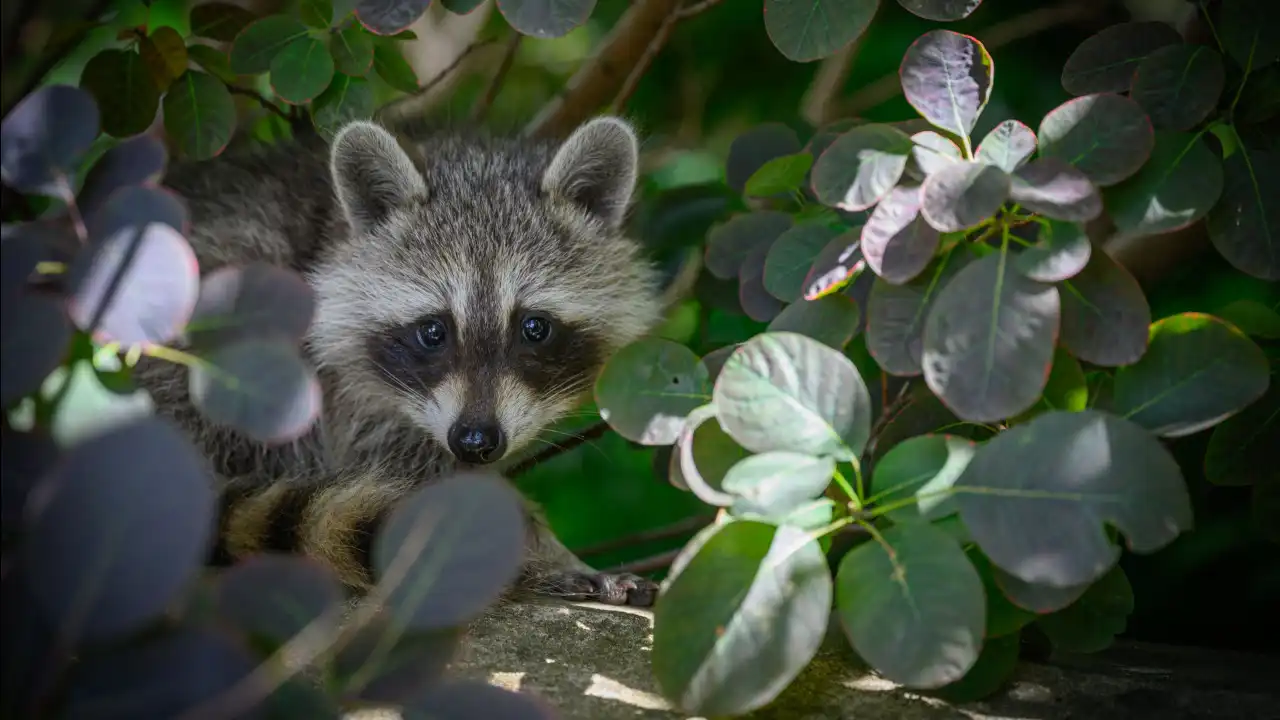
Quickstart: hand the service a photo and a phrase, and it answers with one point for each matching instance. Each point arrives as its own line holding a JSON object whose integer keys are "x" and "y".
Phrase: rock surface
{"x": 591, "y": 662}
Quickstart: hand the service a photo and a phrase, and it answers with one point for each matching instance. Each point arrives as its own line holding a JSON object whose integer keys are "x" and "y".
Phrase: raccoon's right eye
{"x": 432, "y": 334}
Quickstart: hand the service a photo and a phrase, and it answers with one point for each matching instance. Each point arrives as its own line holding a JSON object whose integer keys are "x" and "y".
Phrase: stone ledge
{"x": 591, "y": 662}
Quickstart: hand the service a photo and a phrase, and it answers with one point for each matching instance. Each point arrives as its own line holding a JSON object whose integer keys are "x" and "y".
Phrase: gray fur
{"x": 389, "y": 229}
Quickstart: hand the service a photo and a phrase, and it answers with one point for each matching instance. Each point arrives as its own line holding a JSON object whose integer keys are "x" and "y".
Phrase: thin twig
{"x": 655, "y": 46}
{"x": 696, "y": 8}
{"x": 654, "y": 562}
{"x": 491, "y": 93}
{"x": 392, "y": 106}
{"x": 251, "y": 93}
{"x": 683, "y": 527}
{"x": 577, "y": 439}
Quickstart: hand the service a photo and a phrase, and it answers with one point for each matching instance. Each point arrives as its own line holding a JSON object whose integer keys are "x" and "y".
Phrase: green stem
{"x": 854, "y": 497}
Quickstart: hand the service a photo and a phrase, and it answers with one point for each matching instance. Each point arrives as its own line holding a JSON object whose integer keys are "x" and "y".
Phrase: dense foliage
{"x": 1010, "y": 440}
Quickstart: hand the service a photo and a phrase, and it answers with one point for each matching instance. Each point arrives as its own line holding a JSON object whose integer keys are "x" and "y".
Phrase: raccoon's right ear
{"x": 596, "y": 168}
{"x": 372, "y": 174}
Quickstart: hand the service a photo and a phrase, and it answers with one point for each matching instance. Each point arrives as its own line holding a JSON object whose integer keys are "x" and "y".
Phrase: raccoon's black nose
{"x": 478, "y": 443}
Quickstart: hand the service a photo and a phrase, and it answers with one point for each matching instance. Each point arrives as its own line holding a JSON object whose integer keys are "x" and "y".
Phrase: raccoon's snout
{"x": 477, "y": 443}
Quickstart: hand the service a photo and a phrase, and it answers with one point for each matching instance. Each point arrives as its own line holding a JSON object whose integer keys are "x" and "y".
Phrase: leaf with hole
{"x": 704, "y": 455}
{"x": 259, "y": 387}
{"x": 1241, "y": 448}
{"x": 346, "y": 99}
{"x": 459, "y": 543}
{"x": 728, "y": 244}
{"x": 785, "y": 391}
{"x": 930, "y": 152}
{"x": 257, "y": 45}
{"x": 1055, "y": 189}
{"x": 1062, "y": 250}
{"x": 757, "y": 302}
{"x": 776, "y": 483}
{"x": 963, "y": 195}
{"x": 545, "y": 18}
{"x": 125, "y": 91}
{"x": 1105, "y": 62}
{"x": 835, "y": 265}
{"x": 947, "y": 77}
{"x": 1250, "y": 32}
{"x": 1105, "y": 314}
{"x": 1094, "y": 621}
{"x": 647, "y": 388}
{"x": 896, "y": 315}
{"x": 989, "y": 339}
{"x": 742, "y": 612}
{"x": 137, "y": 161}
{"x": 780, "y": 175}
{"x": 1179, "y": 85}
{"x": 252, "y": 301}
{"x": 165, "y": 54}
{"x": 1106, "y": 136}
{"x": 832, "y": 320}
{"x": 924, "y": 468}
{"x": 199, "y": 115}
{"x": 896, "y": 241}
{"x": 941, "y": 10}
{"x": 43, "y": 137}
{"x": 91, "y": 573}
{"x": 755, "y": 148}
{"x": 352, "y": 51}
{"x": 1197, "y": 372}
{"x": 301, "y": 71}
{"x": 1179, "y": 185}
{"x": 807, "y": 30}
{"x": 1244, "y": 226}
{"x": 861, "y": 166}
{"x": 914, "y": 610}
{"x": 475, "y": 700}
{"x": 133, "y": 207}
{"x": 219, "y": 20}
{"x": 1070, "y": 475}
{"x": 791, "y": 255}
{"x": 1007, "y": 146}
{"x": 273, "y": 597}
{"x": 391, "y": 66}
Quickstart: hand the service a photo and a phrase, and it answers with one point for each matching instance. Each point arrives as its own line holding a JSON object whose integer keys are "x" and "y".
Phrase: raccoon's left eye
{"x": 432, "y": 334}
{"x": 535, "y": 329}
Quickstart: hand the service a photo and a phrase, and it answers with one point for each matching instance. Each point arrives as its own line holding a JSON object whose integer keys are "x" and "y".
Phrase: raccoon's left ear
{"x": 596, "y": 168}
{"x": 372, "y": 174}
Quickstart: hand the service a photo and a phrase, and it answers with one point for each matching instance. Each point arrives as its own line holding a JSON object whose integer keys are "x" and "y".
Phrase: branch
{"x": 683, "y": 527}
{"x": 529, "y": 463}
{"x": 251, "y": 93}
{"x": 661, "y": 561}
{"x": 392, "y": 106}
{"x": 491, "y": 93}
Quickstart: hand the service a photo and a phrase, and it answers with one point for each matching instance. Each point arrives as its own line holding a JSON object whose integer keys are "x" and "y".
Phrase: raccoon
{"x": 468, "y": 289}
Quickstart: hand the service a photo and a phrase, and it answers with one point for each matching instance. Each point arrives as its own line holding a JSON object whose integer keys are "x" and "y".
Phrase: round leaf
{"x": 1037, "y": 498}
{"x": 539, "y": 18}
{"x": 774, "y": 484}
{"x": 274, "y": 597}
{"x": 253, "y": 301}
{"x": 1105, "y": 314}
{"x": 259, "y": 387}
{"x": 784, "y": 391}
{"x": 1092, "y": 623}
{"x": 391, "y": 66}
{"x": 896, "y": 315}
{"x": 1178, "y": 186}
{"x": 1197, "y": 371}
{"x": 137, "y": 161}
{"x": 258, "y": 44}
{"x": 1179, "y": 85}
{"x": 1245, "y": 224}
{"x": 831, "y": 319}
{"x": 199, "y": 115}
{"x": 861, "y": 167}
{"x": 730, "y": 243}
{"x": 941, "y": 10}
{"x": 1055, "y": 189}
{"x": 743, "y": 611}
{"x": 1241, "y": 448}
{"x": 947, "y": 77}
{"x": 835, "y": 265}
{"x": 90, "y": 570}
{"x": 993, "y": 669}
{"x": 988, "y": 340}
{"x": 931, "y": 152}
{"x": 124, "y": 90}
{"x": 757, "y": 302}
{"x": 963, "y": 195}
{"x": 165, "y": 54}
{"x": 648, "y": 387}
{"x": 705, "y": 454}
{"x": 1039, "y": 599}
{"x": 896, "y": 241}
{"x": 346, "y": 99}
{"x": 213, "y": 60}
{"x": 915, "y": 609}
{"x": 1007, "y": 146}
{"x": 1107, "y": 136}
{"x": 755, "y": 148}
{"x": 1004, "y": 618}
{"x": 790, "y": 256}
{"x": 301, "y": 71}
{"x": 1253, "y": 317}
{"x": 37, "y": 332}
{"x": 806, "y": 30}
{"x": 924, "y": 467}
{"x": 780, "y": 175}
{"x": 352, "y": 51}
{"x": 1063, "y": 250}
{"x": 43, "y": 137}
{"x": 1105, "y": 62}
{"x": 457, "y": 543}
{"x": 219, "y": 20}
{"x": 1066, "y": 388}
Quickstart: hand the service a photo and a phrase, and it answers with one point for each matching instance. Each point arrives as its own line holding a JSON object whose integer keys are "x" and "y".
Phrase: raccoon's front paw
{"x": 607, "y": 588}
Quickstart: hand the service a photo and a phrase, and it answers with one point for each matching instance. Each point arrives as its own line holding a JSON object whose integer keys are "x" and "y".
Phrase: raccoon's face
{"x": 485, "y": 284}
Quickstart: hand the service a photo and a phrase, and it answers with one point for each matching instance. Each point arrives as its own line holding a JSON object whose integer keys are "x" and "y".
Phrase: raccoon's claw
{"x": 607, "y": 588}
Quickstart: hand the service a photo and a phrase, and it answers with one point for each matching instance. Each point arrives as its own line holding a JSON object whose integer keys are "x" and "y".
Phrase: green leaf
{"x": 704, "y": 456}
{"x": 923, "y": 467}
{"x": 1197, "y": 372}
{"x": 301, "y": 71}
{"x": 165, "y": 54}
{"x": 1092, "y": 623}
{"x": 1105, "y": 314}
{"x": 743, "y": 611}
{"x": 774, "y": 484}
{"x": 1038, "y": 498}
{"x": 835, "y": 265}
{"x": 729, "y": 243}
{"x": 1065, "y": 389}
{"x": 219, "y": 21}
{"x": 831, "y": 319}
{"x": 213, "y": 60}
{"x": 780, "y": 175}
{"x": 988, "y": 340}
{"x": 1055, "y": 189}
{"x": 784, "y": 391}
{"x": 1036, "y": 599}
{"x": 861, "y": 167}
{"x": 995, "y": 666}
{"x": 941, "y": 10}
{"x": 648, "y": 387}
{"x": 1250, "y": 31}
{"x": 750, "y": 151}
{"x": 791, "y": 255}
{"x": 352, "y": 51}
{"x": 807, "y": 30}
{"x": 461, "y": 7}
{"x": 1244, "y": 225}
{"x": 963, "y": 195}
{"x": 896, "y": 241}
{"x": 757, "y": 302}
{"x": 1253, "y": 318}
{"x": 1062, "y": 251}
{"x": 1242, "y": 448}
{"x": 1179, "y": 85}
{"x": 1178, "y": 186}
{"x": 346, "y": 99}
{"x": 316, "y": 13}
{"x": 391, "y": 66}
{"x": 914, "y": 610}
{"x": 1007, "y": 146}
{"x": 1004, "y": 618}
{"x": 199, "y": 115}
{"x": 1107, "y": 136}
{"x": 257, "y": 45}
{"x": 896, "y": 315}
{"x": 947, "y": 77}
{"x": 1105, "y": 62}
{"x": 126, "y": 95}
{"x": 542, "y": 19}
